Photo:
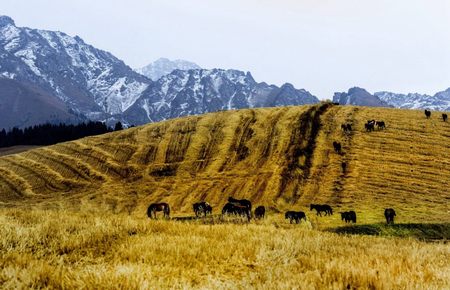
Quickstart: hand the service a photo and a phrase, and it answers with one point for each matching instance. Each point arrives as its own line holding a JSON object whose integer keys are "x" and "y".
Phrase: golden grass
{"x": 79, "y": 207}
{"x": 66, "y": 249}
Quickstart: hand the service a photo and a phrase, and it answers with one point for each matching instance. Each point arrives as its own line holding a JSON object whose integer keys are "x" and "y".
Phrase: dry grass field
{"x": 63, "y": 249}
{"x": 73, "y": 215}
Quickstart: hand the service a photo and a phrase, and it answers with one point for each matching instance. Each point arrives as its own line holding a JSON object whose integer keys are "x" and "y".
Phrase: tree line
{"x": 48, "y": 134}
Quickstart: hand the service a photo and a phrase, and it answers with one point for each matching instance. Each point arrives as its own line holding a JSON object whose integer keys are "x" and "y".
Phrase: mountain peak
{"x": 6, "y": 20}
{"x": 359, "y": 97}
{"x": 164, "y": 66}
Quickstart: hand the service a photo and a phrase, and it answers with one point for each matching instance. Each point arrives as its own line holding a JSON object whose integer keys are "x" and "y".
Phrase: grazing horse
{"x": 236, "y": 209}
{"x": 260, "y": 212}
{"x": 242, "y": 202}
{"x": 296, "y": 216}
{"x": 369, "y": 126}
{"x": 344, "y": 167}
{"x": 444, "y": 117}
{"x": 348, "y": 216}
{"x": 321, "y": 208}
{"x": 202, "y": 207}
{"x": 154, "y": 207}
{"x": 389, "y": 214}
{"x": 427, "y": 113}
{"x": 380, "y": 124}
{"x": 346, "y": 127}
{"x": 337, "y": 147}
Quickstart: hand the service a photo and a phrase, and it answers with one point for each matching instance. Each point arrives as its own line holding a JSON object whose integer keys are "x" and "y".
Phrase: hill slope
{"x": 280, "y": 157}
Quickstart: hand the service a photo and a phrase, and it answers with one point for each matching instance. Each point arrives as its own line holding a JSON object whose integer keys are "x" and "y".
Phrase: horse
{"x": 202, "y": 207}
{"x": 370, "y": 126}
{"x": 380, "y": 124}
{"x": 348, "y": 216}
{"x": 296, "y": 216}
{"x": 154, "y": 207}
{"x": 260, "y": 212}
{"x": 344, "y": 167}
{"x": 243, "y": 202}
{"x": 427, "y": 113}
{"x": 337, "y": 147}
{"x": 444, "y": 117}
{"x": 346, "y": 127}
{"x": 389, "y": 214}
{"x": 236, "y": 209}
{"x": 321, "y": 208}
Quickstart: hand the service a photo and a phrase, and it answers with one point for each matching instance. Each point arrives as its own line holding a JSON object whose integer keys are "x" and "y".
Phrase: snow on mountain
{"x": 87, "y": 79}
{"x": 359, "y": 97}
{"x": 164, "y": 66}
{"x": 438, "y": 102}
{"x": 199, "y": 91}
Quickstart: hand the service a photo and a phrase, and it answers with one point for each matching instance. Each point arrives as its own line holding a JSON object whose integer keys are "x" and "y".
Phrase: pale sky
{"x": 323, "y": 46}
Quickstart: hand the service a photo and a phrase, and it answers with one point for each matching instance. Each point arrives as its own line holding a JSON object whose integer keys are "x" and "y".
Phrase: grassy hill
{"x": 279, "y": 157}
{"x": 72, "y": 215}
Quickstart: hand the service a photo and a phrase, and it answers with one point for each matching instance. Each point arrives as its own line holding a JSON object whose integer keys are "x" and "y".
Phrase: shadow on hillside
{"x": 425, "y": 232}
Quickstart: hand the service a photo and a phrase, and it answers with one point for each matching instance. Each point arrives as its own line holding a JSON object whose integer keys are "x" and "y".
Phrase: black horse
{"x": 321, "y": 208}
{"x": 389, "y": 214}
{"x": 236, "y": 209}
{"x": 346, "y": 127}
{"x": 369, "y": 126}
{"x": 202, "y": 208}
{"x": 242, "y": 202}
{"x": 381, "y": 125}
{"x": 260, "y": 212}
{"x": 444, "y": 117}
{"x": 348, "y": 216}
{"x": 337, "y": 147}
{"x": 296, "y": 216}
{"x": 427, "y": 113}
{"x": 344, "y": 167}
{"x": 154, "y": 207}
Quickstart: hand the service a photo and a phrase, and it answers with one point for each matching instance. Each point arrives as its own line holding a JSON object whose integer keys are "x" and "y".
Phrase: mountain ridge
{"x": 99, "y": 86}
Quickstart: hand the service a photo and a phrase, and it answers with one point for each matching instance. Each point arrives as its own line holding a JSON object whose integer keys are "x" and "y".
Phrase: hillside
{"x": 280, "y": 157}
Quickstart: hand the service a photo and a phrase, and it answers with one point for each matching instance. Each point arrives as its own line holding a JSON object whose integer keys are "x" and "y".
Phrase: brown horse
{"x": 389, "y": 214}
{"x": 260, "y": 212}
{"x": 154, "y": 207}
{"x": 236, "y": 209}
{"x": 202, "y": 208}
{"x": 321, "y": 208}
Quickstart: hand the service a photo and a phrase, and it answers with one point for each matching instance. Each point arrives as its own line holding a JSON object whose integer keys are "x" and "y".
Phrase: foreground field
{"x": 64, "y": 249}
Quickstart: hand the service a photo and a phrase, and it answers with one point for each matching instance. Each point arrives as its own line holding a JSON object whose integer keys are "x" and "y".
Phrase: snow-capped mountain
{"x": 439, "y": 101}
{"x": 198, "y": 91}
{"x": 90, "y": 81}
{"x": 359, "y": 97}
{"x": 76, "y": 80}
{"x": 164, "y": 66}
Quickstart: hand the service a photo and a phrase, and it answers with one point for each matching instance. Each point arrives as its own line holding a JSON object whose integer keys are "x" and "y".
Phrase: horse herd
{"x": 370, "y": 124}
{"x": 428, "y": 115}
{"x": 243, "y": 208}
